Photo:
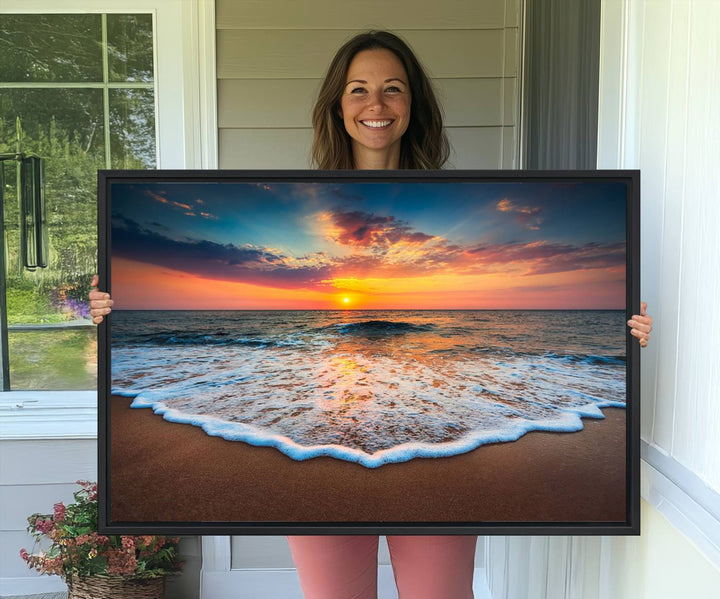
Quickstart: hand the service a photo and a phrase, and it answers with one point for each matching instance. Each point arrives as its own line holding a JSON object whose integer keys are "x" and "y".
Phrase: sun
{"x": 346, "y": 301}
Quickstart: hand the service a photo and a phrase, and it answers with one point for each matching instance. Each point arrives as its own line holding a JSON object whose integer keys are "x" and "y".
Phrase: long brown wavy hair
{"x": 424, "y": 145}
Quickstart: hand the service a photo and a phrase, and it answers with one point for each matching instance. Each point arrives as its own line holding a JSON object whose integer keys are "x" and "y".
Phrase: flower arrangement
{"x": 77, "y": 551}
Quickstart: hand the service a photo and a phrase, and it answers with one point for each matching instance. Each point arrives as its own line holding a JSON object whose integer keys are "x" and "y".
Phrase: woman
{"x": 377, "y": 110}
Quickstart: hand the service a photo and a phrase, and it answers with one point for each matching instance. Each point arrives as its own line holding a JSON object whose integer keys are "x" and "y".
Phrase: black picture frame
{"x": 111, "y": 491}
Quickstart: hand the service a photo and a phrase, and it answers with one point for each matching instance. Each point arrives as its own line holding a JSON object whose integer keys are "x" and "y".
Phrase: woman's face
{"x": 375, "y": 103}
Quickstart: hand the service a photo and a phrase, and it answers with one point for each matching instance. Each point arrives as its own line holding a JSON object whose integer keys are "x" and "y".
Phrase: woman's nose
{"x": 375, "y": 99}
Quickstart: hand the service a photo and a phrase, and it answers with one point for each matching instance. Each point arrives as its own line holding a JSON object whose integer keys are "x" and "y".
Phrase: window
{"x": 78, "y": 91}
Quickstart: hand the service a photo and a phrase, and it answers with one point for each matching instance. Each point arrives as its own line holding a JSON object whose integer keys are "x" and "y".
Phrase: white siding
{"x": 354, "y": 14}
{"x": 271, "y": 58}
{"x": 35, "y": 475}
{"x": 670, "y": 129}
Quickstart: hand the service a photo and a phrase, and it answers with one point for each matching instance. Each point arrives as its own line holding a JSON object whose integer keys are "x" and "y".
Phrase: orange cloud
{"x": 527, "y": 216}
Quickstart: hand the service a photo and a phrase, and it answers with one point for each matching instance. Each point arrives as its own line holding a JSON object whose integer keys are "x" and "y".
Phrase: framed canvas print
{"x": 392, "y": 352}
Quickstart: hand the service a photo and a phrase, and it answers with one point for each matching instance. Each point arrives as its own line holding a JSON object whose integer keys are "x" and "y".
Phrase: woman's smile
{"x": 377, "y": 124}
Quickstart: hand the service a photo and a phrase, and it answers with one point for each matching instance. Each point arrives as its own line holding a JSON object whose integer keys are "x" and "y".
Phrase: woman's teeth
{"x": 376, "y": 124}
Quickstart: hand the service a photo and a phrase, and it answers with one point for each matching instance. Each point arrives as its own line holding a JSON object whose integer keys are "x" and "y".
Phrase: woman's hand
{"x": 641, "y": 325}
{"x": 100, "y": 302}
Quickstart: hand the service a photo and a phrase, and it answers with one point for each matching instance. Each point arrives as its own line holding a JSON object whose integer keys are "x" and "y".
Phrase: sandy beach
{"x": 165, "y": 472}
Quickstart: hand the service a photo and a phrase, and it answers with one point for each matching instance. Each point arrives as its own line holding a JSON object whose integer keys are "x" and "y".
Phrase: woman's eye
{"x": 357, "y": 90}
{"x": 393, "y": 89}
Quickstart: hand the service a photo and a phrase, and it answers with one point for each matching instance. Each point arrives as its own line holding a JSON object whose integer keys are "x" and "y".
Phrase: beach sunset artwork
{"x": 311, "y": 349}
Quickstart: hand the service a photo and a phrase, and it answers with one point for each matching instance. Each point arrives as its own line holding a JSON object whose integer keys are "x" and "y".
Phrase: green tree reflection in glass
{"x": 130, "y": 47}
{"x": 60, "y": 48}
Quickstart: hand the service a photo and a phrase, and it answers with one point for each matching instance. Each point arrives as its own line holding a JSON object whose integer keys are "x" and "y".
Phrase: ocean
{"x": 372, "y": 387}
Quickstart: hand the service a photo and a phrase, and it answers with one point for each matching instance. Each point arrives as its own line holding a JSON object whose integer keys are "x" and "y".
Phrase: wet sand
{"x": 167, "y": 472}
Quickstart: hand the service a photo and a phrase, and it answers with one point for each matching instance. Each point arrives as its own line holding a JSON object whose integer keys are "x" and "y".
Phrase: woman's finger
{"x": 642, "y": 325}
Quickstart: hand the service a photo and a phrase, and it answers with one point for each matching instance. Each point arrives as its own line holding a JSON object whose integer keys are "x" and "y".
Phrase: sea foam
{"x": 378, "y": 390}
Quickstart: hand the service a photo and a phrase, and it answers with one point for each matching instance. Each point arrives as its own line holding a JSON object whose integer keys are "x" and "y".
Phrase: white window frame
{"x": 186, "y": 130}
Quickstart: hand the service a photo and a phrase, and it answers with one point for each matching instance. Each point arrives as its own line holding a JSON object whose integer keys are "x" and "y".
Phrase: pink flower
{"x": 121, "y": 562}
{"x": 43, "y": 526}
{"x": 128, "y": 542}
{"x": 24, "y": 555}
{"x": 89, "y": 488}
{"x": 59, "y": 509}
{"x": 53, "y": 565}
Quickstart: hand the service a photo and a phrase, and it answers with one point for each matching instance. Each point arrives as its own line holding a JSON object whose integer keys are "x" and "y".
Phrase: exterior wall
{"x": 271, "y": 58}
{"x": 659, "y": 84}
{"x": 34, "y": 475}
{"x": 670, "y": 130}
{"x": 659, "y": 564}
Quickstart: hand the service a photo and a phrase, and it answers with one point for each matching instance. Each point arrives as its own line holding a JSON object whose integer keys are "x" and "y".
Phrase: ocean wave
{"x": 378, "y": 328}
{"x": 206, "y": 339}
{"x": 587, "y": 359}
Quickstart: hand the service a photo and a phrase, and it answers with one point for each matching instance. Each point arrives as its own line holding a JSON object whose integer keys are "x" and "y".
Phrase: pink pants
{"x": 345, "y": 567}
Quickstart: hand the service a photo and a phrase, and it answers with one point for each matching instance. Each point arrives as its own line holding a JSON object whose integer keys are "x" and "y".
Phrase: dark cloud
{"x": 213, "y": 260}
{"x": 362, "y": 229}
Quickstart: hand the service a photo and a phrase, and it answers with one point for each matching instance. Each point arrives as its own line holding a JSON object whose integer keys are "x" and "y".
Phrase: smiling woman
{"x": 375, "y": 107}
{"x": 367, "y": 139}
{"x": 375, "y": 88}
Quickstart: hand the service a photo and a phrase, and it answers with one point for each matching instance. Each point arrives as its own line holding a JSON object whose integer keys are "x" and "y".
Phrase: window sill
{"x": 48, "y": 415}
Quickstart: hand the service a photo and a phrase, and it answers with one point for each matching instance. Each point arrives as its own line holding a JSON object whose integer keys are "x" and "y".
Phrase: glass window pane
{"x": 130, "y": 47}
{"x": 132, "y": 128}
{"x": 38, "y": 48}
{"x": 53, "y": 359}
{"x": 65, "y": 128}
{"x": 48, "y": 117}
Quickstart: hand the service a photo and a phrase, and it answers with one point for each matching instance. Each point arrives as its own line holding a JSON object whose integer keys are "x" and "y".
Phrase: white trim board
{"x": 48, "y": 415}
{"x": 37, "y": 587}
{"x": 692, "y": 516}
{"x": 695, "y": 488}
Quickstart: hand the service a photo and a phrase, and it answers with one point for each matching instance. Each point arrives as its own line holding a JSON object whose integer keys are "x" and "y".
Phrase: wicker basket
{"x": 116, "y": 587}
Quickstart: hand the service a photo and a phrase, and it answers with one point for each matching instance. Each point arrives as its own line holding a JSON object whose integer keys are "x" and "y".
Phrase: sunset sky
{"x": 342, "y": 245}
